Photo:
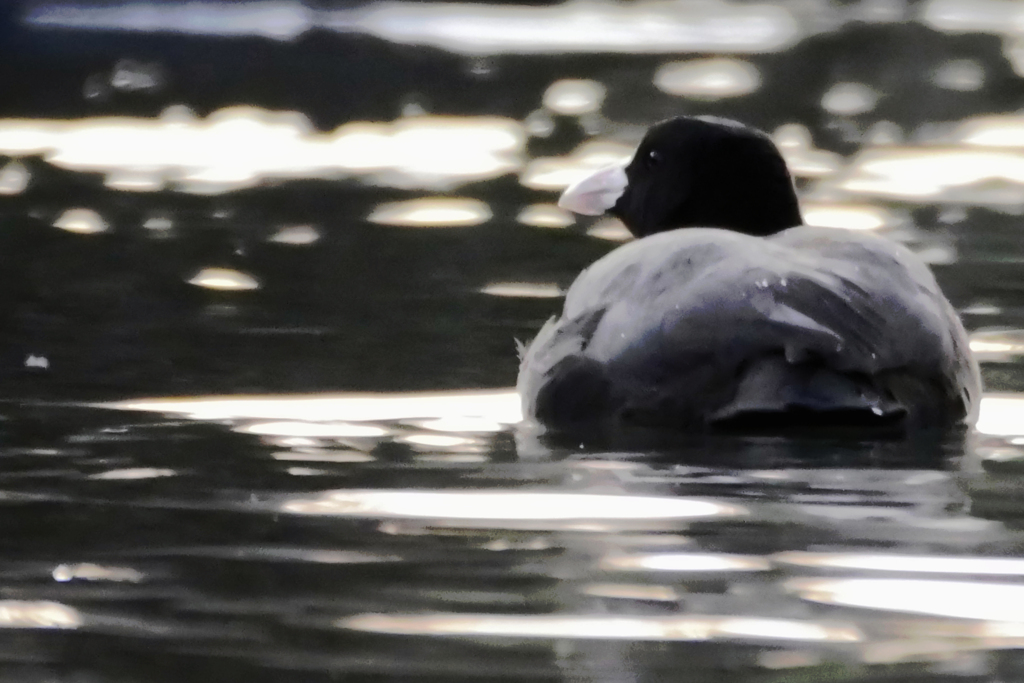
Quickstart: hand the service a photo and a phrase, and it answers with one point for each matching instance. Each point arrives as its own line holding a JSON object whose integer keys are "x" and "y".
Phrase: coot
{"x": 728, "y": 313}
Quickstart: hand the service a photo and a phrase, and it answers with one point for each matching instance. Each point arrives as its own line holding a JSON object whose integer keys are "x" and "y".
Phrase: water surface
{"x": 320, "y": 229}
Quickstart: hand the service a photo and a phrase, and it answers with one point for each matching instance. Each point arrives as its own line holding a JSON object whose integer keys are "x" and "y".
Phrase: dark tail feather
{"x": 575, "y": 391}
{"x": 931, "y": 402}
{"x": 772, "y": 385}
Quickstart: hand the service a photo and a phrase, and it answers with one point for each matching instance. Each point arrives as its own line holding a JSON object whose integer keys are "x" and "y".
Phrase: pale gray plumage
{"x": 685, "y": 327}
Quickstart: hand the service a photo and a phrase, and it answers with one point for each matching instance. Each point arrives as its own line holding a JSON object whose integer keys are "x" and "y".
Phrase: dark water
{"x": 202, "y": 199}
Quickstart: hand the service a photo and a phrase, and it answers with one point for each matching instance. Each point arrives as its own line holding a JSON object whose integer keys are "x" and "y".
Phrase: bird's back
{"x": 696, "y": 326}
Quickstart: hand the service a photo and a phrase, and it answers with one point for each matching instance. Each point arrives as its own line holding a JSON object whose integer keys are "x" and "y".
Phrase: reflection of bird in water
{"x": 743, "y": 320}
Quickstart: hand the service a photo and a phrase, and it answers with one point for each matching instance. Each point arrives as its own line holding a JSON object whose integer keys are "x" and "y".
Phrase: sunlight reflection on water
{"x": 501, "y": 406}
{"x": 224, "y": 279}
{"x": 573, "y": 97}
{"x": 649, "y": 26}
{"x": 998, "y": 602}
{"x": 893, "y": 562}
{"x": 691, "y": 628}
{"x": 977, "y": 162}
{"x": 999, "y": 414}
{"x": 545, "y": 216}
{"x": 432, "y": 212}
{"x": 83, "y": 221}
{"x": 38, "y": 614}
{"x": 217, "y": 154}
{"x": 709, "y": 79}
{"x": 529, "y": 290}
{"x": 500, "y": 508}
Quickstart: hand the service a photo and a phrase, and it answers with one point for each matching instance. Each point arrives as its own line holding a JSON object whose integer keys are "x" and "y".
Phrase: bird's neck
{"x": 752, "y": 215}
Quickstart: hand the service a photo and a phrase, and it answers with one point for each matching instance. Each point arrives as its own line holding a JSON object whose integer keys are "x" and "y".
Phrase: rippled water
{"x": 221, "y": 202}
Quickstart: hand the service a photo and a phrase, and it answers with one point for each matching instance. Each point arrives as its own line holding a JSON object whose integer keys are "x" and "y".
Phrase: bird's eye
{"x": 654, "y": 157}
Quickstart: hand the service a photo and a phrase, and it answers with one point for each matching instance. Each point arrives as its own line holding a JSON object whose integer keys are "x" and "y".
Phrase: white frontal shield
{"x": 596, "y": 193}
